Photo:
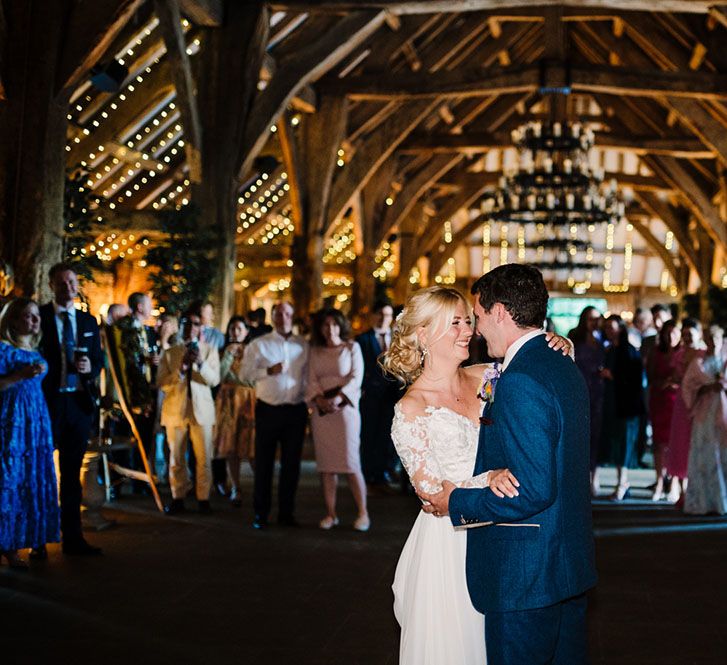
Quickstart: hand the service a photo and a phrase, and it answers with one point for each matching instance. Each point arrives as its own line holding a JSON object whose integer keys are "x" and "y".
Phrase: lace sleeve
{"x": 412, "y": 445}
{"x": 480, "y": 481}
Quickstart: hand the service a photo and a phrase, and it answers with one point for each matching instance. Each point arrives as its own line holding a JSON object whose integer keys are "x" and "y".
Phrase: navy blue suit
{"x": 72, "y": 414}
{"x": 379, "y": 394}
{"x": 528, "y": 571}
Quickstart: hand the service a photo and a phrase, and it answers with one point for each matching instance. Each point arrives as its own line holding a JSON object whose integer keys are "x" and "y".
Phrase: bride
{"x": 436, "y": 431}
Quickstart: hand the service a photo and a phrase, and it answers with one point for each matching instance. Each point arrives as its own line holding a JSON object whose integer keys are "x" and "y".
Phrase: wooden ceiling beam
{"x": 297, "y": 70}
{"x": 479, "y": 83}
{"x": 670, "y": 217}
{"x": 373, "y": 152}
{"x": 402, "y": 7}
{"x": 209, "y": 13}
{"x": 414, "y": 188}
{"x": 170, "y": 26}
{"x": 473, "y": 142}
{"x": 92, "y": 28}
{"x": 695, "y": 198}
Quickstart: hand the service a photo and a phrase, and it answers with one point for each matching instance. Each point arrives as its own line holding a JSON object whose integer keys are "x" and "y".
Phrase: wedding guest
{"x": 379, "y": 394}
{"x": 662, "y": 395}
{"x": 623, "y": 402}
{"x": 704, "y": 390}
{"x": 139, "y": 359}
{"x": 167, "y": 331}
{"x": 660, "y": 314}
{"x": 116, "y": 312}
{"x": 277, "y": 363}
{"x": 71, "y": 345}
{"x": 690, "y": 348}
{"x": 590, "y": 357}
{"x": 641, "y": 328}
{"x": 235, "y": 403}
{"x": 257, "y": 325}
{"x": 335, "y": 373}
{"x": 29, "y": 514}
{"x": 210, "y": 334}
{"x": 187, "y": 374}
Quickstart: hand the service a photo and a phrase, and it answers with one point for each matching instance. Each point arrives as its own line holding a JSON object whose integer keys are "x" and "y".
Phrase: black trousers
{"x": 284, "y": 424}
{"x": 378, "y": 456}
{"x": 72, "y": 422}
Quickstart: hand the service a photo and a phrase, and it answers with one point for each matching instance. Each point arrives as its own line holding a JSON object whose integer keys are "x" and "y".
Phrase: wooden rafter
{"x": 669, "y": 215}
{"x": 473, "y": 142}
{"x": 209, "y": 13}
{"x": 412, "y": 191}
{"x": 374, "y": 151}
{"x": 92, "y": 28}
{"x": 403, "y": 7}
{"x": 169, "y": 15}
{"x": 297, "y": 70}
{"x": 479, "y": 83}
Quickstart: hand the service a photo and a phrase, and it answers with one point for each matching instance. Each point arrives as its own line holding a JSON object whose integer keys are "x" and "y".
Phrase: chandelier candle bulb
{"x": 515, "y": 201}
{"x": 550, "y": 200}
{"x": 537, "y": 128}
{"x": 531, "y": 201}
{"x": 567, "y": 166}
{"x": 556, "y": 129}
{"x": 586, "y": 202}
{"x": 548, "y": 165}
{"x": 570, "y": 201}
{"x": 576, "y": 130}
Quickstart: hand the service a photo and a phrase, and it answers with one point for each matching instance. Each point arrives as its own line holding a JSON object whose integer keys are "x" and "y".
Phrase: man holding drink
{"x": 71, "y": 345}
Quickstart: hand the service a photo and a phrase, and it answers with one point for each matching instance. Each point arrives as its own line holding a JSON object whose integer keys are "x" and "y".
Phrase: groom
{"x": 528, "y": 571}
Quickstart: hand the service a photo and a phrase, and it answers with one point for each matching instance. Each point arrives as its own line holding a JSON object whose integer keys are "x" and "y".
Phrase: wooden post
{"x": 319, "y": 140}
{"x": 373, "y": 210}
{"x": 47, "y": 47}
{"x": 227, "y": 75}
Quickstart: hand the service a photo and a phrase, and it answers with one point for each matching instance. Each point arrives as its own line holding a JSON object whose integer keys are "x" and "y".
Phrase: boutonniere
{"x": 490, "y": 377}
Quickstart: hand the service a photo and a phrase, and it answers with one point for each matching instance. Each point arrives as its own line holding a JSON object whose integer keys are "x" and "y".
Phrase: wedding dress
{"x": 439, "y": 625}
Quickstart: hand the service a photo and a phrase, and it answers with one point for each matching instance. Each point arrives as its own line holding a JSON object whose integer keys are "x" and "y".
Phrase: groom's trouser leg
{"x": 552, "y": 635}
{"x": 572, "y": 638}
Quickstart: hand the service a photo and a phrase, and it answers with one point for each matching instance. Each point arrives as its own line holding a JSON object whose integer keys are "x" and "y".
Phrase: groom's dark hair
{"x": 520, "y": 288}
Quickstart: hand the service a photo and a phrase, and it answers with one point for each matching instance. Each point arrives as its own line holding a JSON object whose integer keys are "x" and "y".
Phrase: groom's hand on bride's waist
{"x": 437, "y": 504}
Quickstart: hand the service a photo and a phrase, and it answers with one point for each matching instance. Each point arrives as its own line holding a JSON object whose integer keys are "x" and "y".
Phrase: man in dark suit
{"x": 530, "y": 564}
{"x": 71, "y": 345}
{"x": 379, "y": 394}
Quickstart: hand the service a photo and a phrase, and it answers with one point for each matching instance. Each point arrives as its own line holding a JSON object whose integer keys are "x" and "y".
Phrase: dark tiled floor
{"x": 212, "y": 590}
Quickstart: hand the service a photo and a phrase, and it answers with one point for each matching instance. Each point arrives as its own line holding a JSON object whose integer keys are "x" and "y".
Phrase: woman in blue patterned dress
{"x": 29, "y": 515}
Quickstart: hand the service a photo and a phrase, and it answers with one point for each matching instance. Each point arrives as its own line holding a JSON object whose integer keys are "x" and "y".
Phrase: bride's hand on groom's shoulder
{"x": 437, "y": 504}
{"x": 559, "y": 343}
{"x": 503, "y": 483}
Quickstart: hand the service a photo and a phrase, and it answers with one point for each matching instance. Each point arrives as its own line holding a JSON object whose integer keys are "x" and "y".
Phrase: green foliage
{"x": 185, "y": 260}
{"x": 79, "y": 223}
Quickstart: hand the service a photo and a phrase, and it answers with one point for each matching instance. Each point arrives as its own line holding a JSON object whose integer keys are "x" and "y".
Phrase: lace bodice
{"x": 441, "y": 445}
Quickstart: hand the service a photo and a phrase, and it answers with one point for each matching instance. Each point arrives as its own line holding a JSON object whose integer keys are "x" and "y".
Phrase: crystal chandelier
{"x": 553, "y": 182}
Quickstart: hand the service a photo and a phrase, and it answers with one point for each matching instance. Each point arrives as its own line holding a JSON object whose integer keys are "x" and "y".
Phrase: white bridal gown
{"x": 439, "y": 625}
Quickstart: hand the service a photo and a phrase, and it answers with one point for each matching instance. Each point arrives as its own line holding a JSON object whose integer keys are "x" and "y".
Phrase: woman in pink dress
{"x": 677, "y": 457}
{"x": 662, "y": 395}
{"x": 335, "y": 373}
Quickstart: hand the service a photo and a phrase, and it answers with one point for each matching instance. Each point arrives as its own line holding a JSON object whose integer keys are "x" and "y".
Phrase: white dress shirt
{"x": 287, "y": 387}
{"x": 517, "y": 345}
{"x": 386, "y": 334}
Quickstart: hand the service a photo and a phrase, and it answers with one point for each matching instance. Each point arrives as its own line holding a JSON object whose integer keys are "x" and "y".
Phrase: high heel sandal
{"x": 14, "y": 561}
{"x": 621, "y": 492}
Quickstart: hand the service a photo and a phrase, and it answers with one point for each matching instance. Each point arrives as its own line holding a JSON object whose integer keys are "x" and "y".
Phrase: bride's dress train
{"x": 439, "y": 625}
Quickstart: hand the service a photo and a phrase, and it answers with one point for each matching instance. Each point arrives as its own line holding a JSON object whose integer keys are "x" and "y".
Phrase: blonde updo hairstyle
{"x": 431, "y": 310}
